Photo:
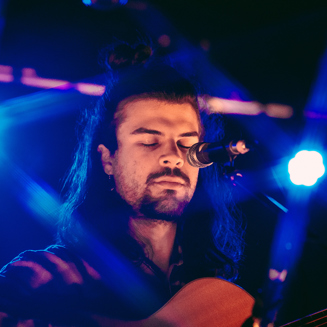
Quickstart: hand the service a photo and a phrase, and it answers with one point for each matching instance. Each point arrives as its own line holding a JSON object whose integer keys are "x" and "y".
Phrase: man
{"x": 138, "y": 221}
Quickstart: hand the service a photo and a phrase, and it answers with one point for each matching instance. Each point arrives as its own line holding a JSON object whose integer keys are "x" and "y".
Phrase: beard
{"x": 167, "y": 205}
{"x": 165, "y": 208}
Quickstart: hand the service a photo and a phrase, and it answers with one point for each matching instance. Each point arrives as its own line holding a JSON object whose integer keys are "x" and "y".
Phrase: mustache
{"x": 169, "y": 172}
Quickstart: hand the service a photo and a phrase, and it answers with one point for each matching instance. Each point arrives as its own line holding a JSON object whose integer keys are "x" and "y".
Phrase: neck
{"x": 157, "y": 237}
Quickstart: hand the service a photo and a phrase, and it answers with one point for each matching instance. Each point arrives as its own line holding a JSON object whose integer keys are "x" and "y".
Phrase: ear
{"x": 106, "y": 159}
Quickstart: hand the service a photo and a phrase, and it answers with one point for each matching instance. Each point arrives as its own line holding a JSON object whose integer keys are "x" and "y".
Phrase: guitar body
{"x": 202, "y": 303}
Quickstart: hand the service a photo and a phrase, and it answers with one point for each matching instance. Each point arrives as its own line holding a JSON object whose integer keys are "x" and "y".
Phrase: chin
{"x": 166, "y": 208}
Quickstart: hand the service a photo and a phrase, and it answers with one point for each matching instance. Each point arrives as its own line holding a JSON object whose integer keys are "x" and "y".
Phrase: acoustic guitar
{"x": 207, "y": 302}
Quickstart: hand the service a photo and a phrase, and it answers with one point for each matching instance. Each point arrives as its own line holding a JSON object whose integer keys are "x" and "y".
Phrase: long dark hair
{"x": 210, "y": 232}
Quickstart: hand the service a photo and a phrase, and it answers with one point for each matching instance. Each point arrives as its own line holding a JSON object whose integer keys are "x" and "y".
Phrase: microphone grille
{"x": 192, "y": 157}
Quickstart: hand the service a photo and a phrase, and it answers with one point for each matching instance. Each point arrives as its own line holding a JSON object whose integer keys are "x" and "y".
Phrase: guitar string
{"x": 312, "y": 322}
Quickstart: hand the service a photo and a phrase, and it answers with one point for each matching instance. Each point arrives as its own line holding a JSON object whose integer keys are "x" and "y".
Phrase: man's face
{"x": 150, "y": 167}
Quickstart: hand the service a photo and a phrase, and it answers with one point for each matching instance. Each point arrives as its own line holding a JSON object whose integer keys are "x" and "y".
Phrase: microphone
{"x": 203, "y": 154}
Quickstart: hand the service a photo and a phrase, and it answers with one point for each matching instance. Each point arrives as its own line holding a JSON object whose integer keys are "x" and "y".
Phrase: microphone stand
{"x": 286, "y": 247}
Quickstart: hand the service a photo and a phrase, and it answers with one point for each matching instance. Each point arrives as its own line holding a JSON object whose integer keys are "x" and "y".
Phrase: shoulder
{"x": 55, "y": 265}
{"x": 47, "y": 284}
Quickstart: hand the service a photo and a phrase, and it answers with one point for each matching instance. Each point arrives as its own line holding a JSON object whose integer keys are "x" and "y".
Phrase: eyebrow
{"x": 190, "y": 134}
{"x": 143, "y": 130}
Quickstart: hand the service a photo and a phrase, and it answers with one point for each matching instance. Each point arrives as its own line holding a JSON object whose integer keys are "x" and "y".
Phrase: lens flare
{"x": 306, "y": 167}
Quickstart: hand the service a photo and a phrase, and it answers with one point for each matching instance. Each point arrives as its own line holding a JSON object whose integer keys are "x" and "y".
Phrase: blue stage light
{"x": 104, "y": 4}
{"x": 306, "y": 167}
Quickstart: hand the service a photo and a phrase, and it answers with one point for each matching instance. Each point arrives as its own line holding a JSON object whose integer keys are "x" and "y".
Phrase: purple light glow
{"x": 6, "y": 75}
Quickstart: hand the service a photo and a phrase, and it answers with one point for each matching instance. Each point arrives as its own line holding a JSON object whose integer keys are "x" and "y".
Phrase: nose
{"x": 172, "y": 157}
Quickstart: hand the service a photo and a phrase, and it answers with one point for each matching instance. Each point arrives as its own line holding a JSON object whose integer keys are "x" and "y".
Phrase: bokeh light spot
{"x": 164, "y": 40}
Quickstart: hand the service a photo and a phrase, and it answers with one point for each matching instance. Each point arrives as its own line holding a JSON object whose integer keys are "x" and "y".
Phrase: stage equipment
{"x": 202, "y": 154}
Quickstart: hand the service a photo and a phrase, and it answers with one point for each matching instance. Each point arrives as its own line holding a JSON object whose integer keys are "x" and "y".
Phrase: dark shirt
{"x": 58, "y": 287}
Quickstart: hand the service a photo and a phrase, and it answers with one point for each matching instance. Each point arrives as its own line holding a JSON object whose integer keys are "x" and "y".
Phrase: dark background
{"x": 268, "y": 51}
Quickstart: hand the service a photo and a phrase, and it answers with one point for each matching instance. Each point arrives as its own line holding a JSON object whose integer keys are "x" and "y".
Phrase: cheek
{"x": 127, "y": 183}
{"x": 129, "y": 173}
{"x": 133, "y": 167}
{"x": 193, "y": 175}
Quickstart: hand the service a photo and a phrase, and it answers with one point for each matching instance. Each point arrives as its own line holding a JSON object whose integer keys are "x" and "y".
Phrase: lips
{"x": 169, "y": 184}
{"x": 169, "y": 175}
{"x": 166, "y": 182}
{"x": 169, "y": 180}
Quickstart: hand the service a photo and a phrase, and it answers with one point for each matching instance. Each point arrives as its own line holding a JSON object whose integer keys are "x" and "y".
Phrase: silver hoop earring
{"x": 111, "y": 183}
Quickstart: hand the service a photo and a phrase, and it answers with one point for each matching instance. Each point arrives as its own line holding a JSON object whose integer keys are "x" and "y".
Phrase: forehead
{"x": 157, "y": 113}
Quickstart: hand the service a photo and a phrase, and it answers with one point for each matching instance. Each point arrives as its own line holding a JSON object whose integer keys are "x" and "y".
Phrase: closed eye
{"x": 183, "y": 146}
{"x": 149, "y": 145}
